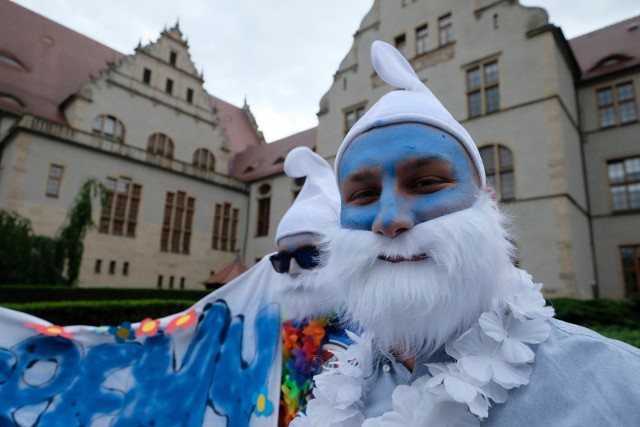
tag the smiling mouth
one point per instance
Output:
(398, 259)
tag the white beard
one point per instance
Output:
(303, 296)
(413, 307)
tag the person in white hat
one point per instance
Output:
(455, 334)
(310, 331)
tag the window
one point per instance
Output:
(204, 160)
(630, 256)
(483, 89)
(264, 206)
(161, 145)
(11, 61)
(168, 87)
(112, 267)
(400, 42)
(125, 269)
(225, 228)
(97, 268)
(498, 164)
(297, 186)
(173, 56)
(108, 127)
(182, 282)
(624, 184)
(351, 116)
(177, 224)
(54, 180)
(159, 283)
(617, 105)
(422, 39)
(445, 30)
(10, 100)
(146, 76)
(190, 96)
(170, 282)
(119, 215)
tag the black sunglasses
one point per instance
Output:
(306, 257)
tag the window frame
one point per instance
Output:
(422, 40)
(177, 222)
(498, 170)
(401, 45)
(483, 86)
(616, 103)
(448, 28)
(622, 184)
(263, 216)
(57, 179)
(168, 86)
(635, 268)
(356, 109)
(101, 131)
(204, 160)
(146, 75)
(124, 223)
(161, 145)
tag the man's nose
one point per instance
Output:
(294, 268)
(393, 219)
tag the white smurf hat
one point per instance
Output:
(414, 104)
(318, 203)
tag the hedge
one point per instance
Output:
(599, 312)
(34, 293)
(615, 319)
(97, 313)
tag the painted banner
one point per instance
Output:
(216, 364)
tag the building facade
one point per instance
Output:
(192, 180)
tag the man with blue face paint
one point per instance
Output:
(455, 334)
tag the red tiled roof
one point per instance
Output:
(619, 43)
(268, 159)
(53, 71)
(236, 125)
(225, 275)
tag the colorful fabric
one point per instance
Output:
(307, 346)
(302, 358)
(216, 364)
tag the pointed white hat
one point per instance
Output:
(414, 104)
(318, 203)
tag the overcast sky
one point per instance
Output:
(280, 54)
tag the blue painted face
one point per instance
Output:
(398, 176)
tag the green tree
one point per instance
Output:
(26, 258)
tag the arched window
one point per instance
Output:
(108, 127)
(498, 165)
(160, 144)
(203, 159)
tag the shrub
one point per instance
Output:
(35, 293)
(97, 313)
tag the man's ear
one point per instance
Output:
(492, 192)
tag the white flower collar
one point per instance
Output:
(490, 358)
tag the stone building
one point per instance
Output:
(193, 181)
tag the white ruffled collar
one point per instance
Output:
(489, 359)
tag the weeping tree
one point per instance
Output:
(26, 258)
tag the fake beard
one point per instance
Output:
(414, 307)
(303, 296)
